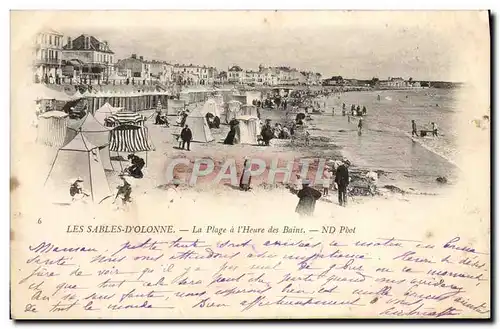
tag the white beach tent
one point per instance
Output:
(253, 95)
(105, 111)
(210, 106)
(43, 92)
(87, 94)
(78, 158)
(249, 110)
(77, 95)
(233, 110)
(249, 129)
(96, 133)
(199, 126)
(51, 128)
(174, 106)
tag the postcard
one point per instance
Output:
(250, 165)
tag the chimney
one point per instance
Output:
(88, 42)
(134, 56)
(141, 58)
(70, 43)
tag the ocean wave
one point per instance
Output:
(436, 146)
(440, 150)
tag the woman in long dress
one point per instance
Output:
(307, 200)
(246, 178)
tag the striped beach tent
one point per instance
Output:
(130, 139)
(51, 128)
(126, 118)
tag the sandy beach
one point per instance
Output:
(152, 189)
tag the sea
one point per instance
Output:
(386, 143)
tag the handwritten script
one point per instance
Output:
(210, 277)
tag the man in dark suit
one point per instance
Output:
(342, 180)
(186, 136)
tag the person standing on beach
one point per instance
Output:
(360, 126)
(124, 190)
(307, 200)
(434, 129)
(327, 176)
(307, 136)
(186, 136)
(413, 128)
(246, 178)
(342, 180)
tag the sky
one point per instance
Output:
(421, 45)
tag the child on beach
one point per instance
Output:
(327, 176)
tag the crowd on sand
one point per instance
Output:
(336, 175)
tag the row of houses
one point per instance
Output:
(86, 59)
(58, 59)
(272, 76)
(166, 73)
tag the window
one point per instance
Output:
(50, 39)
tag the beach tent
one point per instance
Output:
(250, 110)
(219, 99)
(210, 106)
(96, 133)
(126, 118)
(43, 92)
(174, 105)
(248, 129)
(77, 95)
(240, 98)
(199, 126)
(130, 139)
(233, 110)
(51, 128)
(253, 95)
(105, 111)
(78, 158)
(184, 96)
(87, 94)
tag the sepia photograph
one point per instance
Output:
(250, 164)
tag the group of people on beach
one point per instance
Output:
(423, 133)
(308, 195)
(78, 193)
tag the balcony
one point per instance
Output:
(48, 61)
